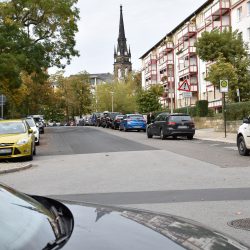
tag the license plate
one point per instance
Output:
(182, 127)
(137, 126)
(5, 150)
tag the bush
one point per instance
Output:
(237, 111)
(202, 108)
(187, 110)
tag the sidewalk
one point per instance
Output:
(10, 167)
(211, 135)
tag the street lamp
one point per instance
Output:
(171, 87)
(112, 101)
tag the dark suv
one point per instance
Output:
(174, 125)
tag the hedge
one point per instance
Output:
(237, 111)
(234, 111)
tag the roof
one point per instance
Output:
(106, 77)
(178, 27)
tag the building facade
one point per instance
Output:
(173, 59)
(122, 54)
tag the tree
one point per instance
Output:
(124, 97)
(148, 100)
(228, 49)
(36, 35)
(223, 70)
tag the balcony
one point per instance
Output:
(188, 70)
(220, 7)
(187, 30)
(187, 50)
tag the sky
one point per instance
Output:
(146, 22)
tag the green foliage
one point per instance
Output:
(215, 43)
(123, 97)
(148, 100)
(35, 35)
(202, 108)
(187, 110)
(223, 70)
(237, 111)
(229, 52)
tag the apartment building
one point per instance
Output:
(240, 12)
(173, 59)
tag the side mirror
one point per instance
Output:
(246, 120)
(30, 131)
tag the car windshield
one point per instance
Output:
(37, 119)
(135, 117)
(31, 122)
(179, 118)
(12, 128)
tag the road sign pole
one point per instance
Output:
(225, 114)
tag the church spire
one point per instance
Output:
(122, 57)
(121, 26)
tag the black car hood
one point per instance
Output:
(100, 227)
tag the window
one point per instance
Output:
(248, 8)
(239, 14)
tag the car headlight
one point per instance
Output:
(23, 141)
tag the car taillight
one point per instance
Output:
(192, 124)
(171, 123)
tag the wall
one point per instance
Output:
(217, 124)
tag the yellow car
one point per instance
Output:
(16, 139)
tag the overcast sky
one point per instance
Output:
(145, 21)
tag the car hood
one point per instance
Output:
(100, 227)
(11, 138)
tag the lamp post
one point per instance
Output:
(171, 88)
(112, 101)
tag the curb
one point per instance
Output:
(15, 169)
(215, 139)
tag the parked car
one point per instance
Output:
(133, 122)
(110, 118)
(38, 222)
(16, 139)
(39, 122)
(116, 121)
(174, 125)
(103, 120)
(96, 118)
(243, 137)
(35, 129)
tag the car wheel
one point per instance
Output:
(34, 151)
(30, 157)
(162, 136)
(149, 135)
(190, 137)
(242, 146)
(38, 143)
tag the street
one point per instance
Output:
(205, 181)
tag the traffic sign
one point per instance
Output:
(185, 86)
(187, 94)
(223, 86)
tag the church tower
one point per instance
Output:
(122, 55)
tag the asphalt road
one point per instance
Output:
(202, 180)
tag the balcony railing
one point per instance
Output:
(189, 28)
(215, 9)
(188, 69)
